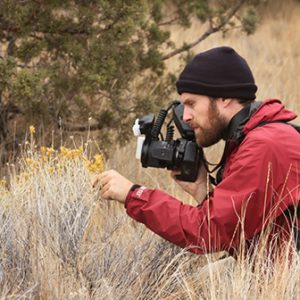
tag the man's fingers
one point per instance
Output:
(113, 186)
(105, 188)
(95, 182)
(106, 196)
(105, 183)
(106, 192)
(101, 180)
(174, 173)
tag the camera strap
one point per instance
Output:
(233, 136)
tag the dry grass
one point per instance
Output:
(59, 241)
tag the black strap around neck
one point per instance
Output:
(233, 136)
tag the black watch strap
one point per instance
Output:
(135, 186)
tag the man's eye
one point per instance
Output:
(189, 104)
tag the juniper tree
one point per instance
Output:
(63, 63)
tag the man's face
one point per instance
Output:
(204, 116)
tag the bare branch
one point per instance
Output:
(206, 34)
(79, 127)
(169, 22)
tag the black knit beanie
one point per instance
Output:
(218, 72)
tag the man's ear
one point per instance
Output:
(225, 102)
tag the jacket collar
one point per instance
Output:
(235, 127)
(270, 110)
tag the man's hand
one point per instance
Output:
(198, 189)
(113, 186)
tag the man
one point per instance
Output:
(259, 176)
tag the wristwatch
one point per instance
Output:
(134, 187)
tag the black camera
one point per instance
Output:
(154, 150)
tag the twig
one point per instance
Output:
(206, 34)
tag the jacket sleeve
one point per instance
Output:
(241, 203)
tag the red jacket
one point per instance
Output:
(261, 179)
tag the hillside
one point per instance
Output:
(59, 240)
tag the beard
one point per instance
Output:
(212, 132)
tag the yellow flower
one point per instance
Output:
(29, 161)
(97, 166)
(63, 150)
(43, 150)
(23, 176)
(31, 129)
(51, 170)
(49, 151)
(92, 168)
(70, 153)
(32, 163)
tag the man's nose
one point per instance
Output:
(186, 114)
